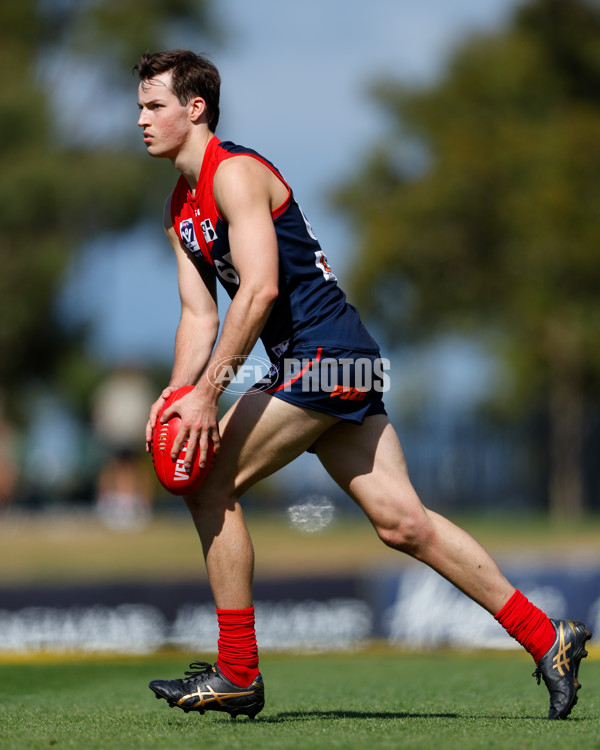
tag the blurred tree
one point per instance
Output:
(481, 213)
(60, 188)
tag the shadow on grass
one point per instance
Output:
(287, 716)
(291, 716)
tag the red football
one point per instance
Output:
(172, 474)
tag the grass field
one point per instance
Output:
(368, 700)
(375, 699)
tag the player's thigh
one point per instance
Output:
(368, 463)
(259, 435)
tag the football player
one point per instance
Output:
(232, 218)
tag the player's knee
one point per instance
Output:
(210, 503)
(409, 534)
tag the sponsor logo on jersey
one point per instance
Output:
(208, 231)
(322, 264)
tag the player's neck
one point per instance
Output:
(188, 161)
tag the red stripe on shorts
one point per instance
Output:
(306, 367)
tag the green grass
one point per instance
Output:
(367, 700)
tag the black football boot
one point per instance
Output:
(559, 667)
(205, 688)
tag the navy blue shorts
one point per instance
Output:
(344, 383)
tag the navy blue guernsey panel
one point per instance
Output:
(311, 309)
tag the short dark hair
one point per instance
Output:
(192, 75)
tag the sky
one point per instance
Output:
(295, 79)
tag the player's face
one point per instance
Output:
(163, 119)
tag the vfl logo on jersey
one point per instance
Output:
(187, 234)
(208, 231)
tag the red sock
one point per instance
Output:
(238, 652)
(527, 624)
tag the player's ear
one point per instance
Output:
(197, 108)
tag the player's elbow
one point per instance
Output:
(263, 297)
(204, 325)
(211, 326)
(256, 297)
(270, 294)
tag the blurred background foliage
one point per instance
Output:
(479, 214)
(56, 190)
(64, 181)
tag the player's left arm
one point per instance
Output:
(244, 190)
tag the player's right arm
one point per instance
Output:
(198, 324)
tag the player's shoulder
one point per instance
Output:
(243, 175)
(231, 157)
(238, 165)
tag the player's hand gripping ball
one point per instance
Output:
(172, 474)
